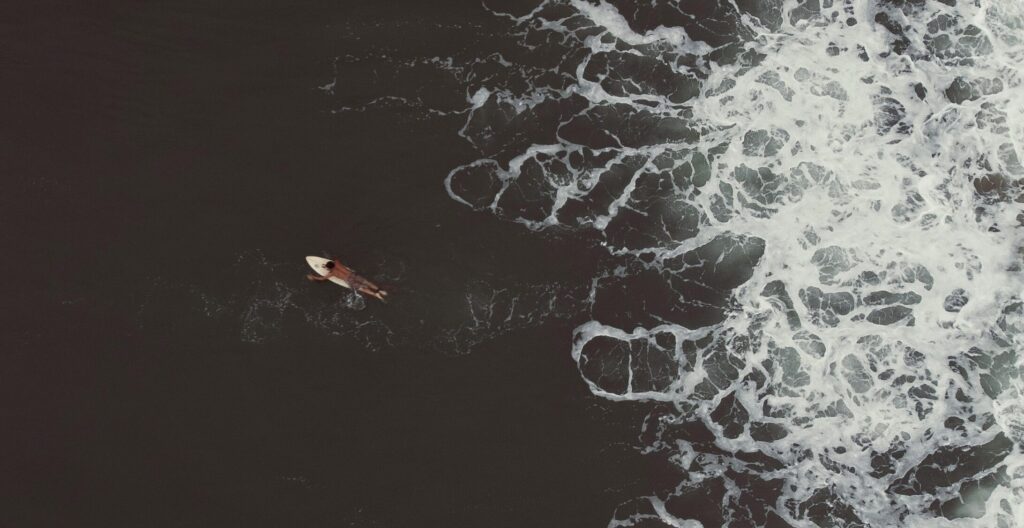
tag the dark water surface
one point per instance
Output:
(653, 263)
(173, 166)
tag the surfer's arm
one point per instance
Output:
(317, 278)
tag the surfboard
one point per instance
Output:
(319, 265)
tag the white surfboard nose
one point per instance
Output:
(316, 262)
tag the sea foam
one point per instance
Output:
(815, 213)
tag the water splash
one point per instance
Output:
(816, 209)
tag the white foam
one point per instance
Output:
(869, 175)
(480, 97)
(608, 17)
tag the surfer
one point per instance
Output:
(358, 283)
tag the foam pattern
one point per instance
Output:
(814, 214)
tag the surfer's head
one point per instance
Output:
(329, 265)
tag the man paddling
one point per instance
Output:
(358, 283)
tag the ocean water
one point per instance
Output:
(165, 361)
(652, 263)
(815, 215)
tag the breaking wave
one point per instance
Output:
(815, 214)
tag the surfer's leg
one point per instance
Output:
(372, 292)
(371, 286)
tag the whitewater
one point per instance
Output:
(813, 214)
